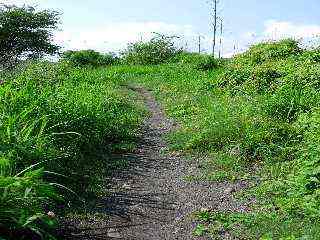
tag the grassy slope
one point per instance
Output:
(60, 124)
(255, 118)
(249, 116)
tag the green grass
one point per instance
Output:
(58, 126)
(255, 118)
(257, 225)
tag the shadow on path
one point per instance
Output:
(151, 200)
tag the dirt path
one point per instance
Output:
(153, 201)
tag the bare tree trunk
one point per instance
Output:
(221, 33)
(199, 45)
(215, 18)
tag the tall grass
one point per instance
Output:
(55, 123)
(256, 116)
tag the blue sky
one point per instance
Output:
(108, 25)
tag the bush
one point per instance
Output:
(296, 93)
(209, 63)
(189, 58)
(90, 58)
(311, 56)
(22, 197)
(269, 51)
(265, 67)
(159, 49)
(202, 62)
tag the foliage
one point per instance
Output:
(56, 124)
(262, 225)
(26, 33)
(209, 63)
(202, 62)
(159, 49)
(90, 58)
(260, 110)
(269, 51)
(21, 199)
(185, 57)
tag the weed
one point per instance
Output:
(57, 125)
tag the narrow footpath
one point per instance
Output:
(154, 201)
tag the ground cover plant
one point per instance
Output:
(58, 124)
(256, 116)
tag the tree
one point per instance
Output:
(26, 33)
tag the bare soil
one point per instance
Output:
(153, 200)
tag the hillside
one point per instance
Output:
(251, 120)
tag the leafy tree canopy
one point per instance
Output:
(26, 33)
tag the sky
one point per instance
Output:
(109, 25)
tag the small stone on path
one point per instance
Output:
(230, 190)
(112, 233)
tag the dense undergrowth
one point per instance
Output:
(84, 58)
(58, 125)
(257, 117)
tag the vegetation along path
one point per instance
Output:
(154, 200)
(78, 158)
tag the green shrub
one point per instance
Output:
(261, 67)
(309, 174)
(22, 199)
(188, 57)
(159, 49)
(235, 75)
(202, 62)
(297, 93)
(280, 63)
(90, 58)
(209, 63)
(311, 56)
(269, 51)
(263, 78)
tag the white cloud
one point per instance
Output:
(21, 2)
(283, 29)
(115, 36)
(308, 34)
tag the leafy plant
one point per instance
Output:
(159, 49)
(209, 63)
(21, 199)
(89, 58)
(270, 51)
(54, 115)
